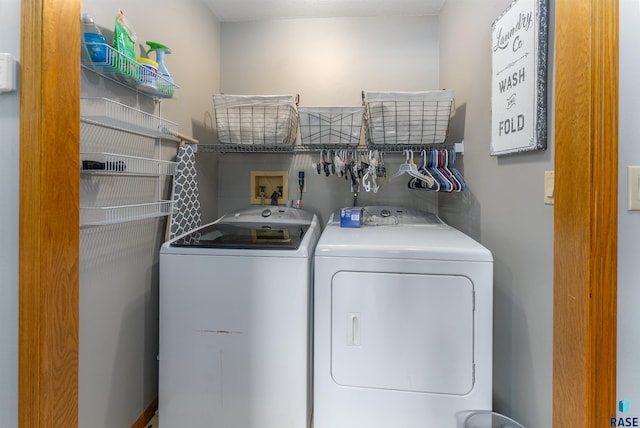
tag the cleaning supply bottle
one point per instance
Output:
(93, 39)
(165, 81)
(124, 42)
(148, 74)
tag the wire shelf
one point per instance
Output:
(389, 148)
(127, 71)
(246, 148)
(100, 216)
(407, 118)
(101, 163)
(258, 120)
(103, 111)
(323, 127)
(304, 149)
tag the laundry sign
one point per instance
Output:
(519, 78)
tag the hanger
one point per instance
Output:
(438, 166)
(340, 163)
(409, 167)
(369, 181)
(454, 171)
(381, 170)
(447, 171)
(319, 166)
(417, 184)
(329, 168)
(445, 184)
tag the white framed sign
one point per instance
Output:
(519, 39)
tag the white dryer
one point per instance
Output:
(235, 320)
(403, 323)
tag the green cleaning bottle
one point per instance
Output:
(165, 82)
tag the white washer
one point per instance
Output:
(403, 323)
(235, 342)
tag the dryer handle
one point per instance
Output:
(354, 329)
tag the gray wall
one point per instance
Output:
(118, 374)
(504, 210)
(328, 62)
(628, 221)
(518, 232)
(9, 176)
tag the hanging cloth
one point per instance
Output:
(186, 199)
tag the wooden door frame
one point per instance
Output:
(586, 213)
(585, 223)
(49, 213)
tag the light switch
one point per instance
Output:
(549, 183)
(633, 188)
(7, 73)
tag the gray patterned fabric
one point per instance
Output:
(186, 199)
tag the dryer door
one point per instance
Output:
(407, 332)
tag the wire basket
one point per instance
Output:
(112, 113)
(330, 126)
(112, 163)
(99, 216)
(258, 120)
(126, 70)
(407, 118)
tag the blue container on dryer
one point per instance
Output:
(351, 217)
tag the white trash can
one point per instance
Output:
(489, 420)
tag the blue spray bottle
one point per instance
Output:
(165, 84)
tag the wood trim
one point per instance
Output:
(585, 261)
(49, 214)
(147, 415)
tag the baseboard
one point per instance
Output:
(147, 415)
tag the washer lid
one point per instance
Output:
(245, 235)
(269, 214)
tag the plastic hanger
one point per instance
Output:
(447, 171)
(319, 166)
(445, 184)
(439, 166)
(454, 171)
(409, 167)
(369, 181)
(340, 163)
(329, 168)
(417, 184)
(352, 174)
(414, 172)
(381, 170)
